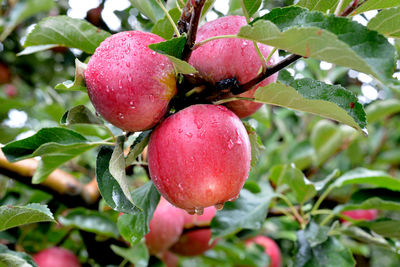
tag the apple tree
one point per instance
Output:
(200, 133)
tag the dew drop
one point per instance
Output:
(189, 135)
(151, 98)
(107, 88)
(199, 123)
(245, 43)
(180, 131)
(192, 159)
(199, 211)
(230, 144)
(128, 64)
(234, 198)
(120, 84)
(191, 211)
(219, 206)
(129, 78)
(132, 105)
(120, 115)
(153, 53)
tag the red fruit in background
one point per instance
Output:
(170, 259)
(165, 227)
(10, 90)
(94, 15)
(56, 257)
(5, 75)
(199, 157)
(227, 58)
(194, 242)
(367, 215)
(129, 84)
(271, 248)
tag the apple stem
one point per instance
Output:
(188, 23)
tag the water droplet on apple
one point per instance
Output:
(129, 78)
(153, 53)
(132, 105)
(189, 135)
(180, 131)
(199, 123)
(230, 144)
(151, 98)
(120, 84)
(199, 211)
(191, 211)
(219, 206)
(120, 115)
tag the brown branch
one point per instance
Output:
(188, 23)
(351, 7)
(62, 185)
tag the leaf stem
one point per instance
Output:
(293, 209)
(327, 219)
(225, 100)
(198, 44)
(171, 21)
(321, 198)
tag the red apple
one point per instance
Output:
(10, 90)
(271, 248)
(170, 259)
(194, 242)
(129, 84)
(165, 227)
(367, 215)
(199, 157)
(56, 257)
(228, 58)
(5, 75)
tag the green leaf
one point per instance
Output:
(385, 227)
(322, 6)
(173, 50)
(149, 8)
(137, 254)
(137, 147)
(34, 49)
(80, 114)
(326, 138)
(374, 5)
(252, 6)
(90, 221)
(79, 82)
(11, 258)
(66, 31)
(247, 212)
(381, 109)
(109, 188)
(308, 95)
(117, 167)
(390, 156)
(316, 249)
(325, 37)
(22, 11)
(255, 142)
(163, 27)
(12, 216)
(376, 198)
(133, 227)
(386, 22)
(289, 175)
(365, 176)
(54, 145)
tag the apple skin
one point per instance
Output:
(170, 259)
(193, 243)
(367, 215)
(129, 84)
(10, 90)
(5, 75)
(56, 256)
(166, 226)
(199, 157)
(271, 249)
(227, 58)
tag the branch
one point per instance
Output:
(265, 74)
(188, 23)
(350, 8)
(62, 185)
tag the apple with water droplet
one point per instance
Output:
(129, 84)
(199, 157)
(231, 58)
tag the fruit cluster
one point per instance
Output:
(200, 155)
(174, 231)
